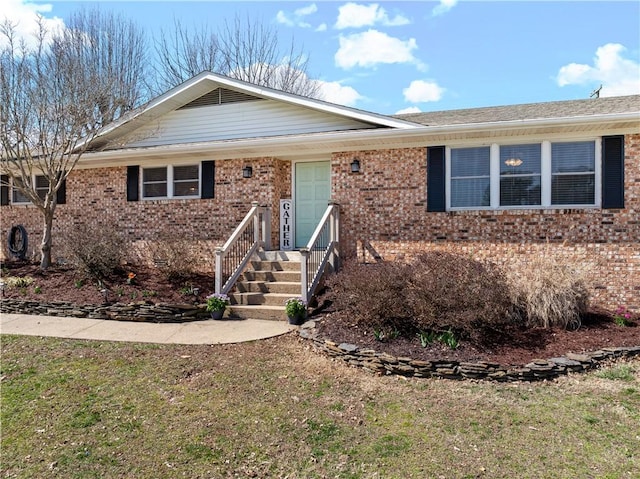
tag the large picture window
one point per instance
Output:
(171, 182)
(543, 174)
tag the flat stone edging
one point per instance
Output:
(139, 311)
(368, 359)
(386, 364)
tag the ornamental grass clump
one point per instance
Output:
(548, 291)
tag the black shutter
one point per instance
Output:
(208, 176)
(61, 194)
(436, 200)
(613, 172)
(4, 190)
(133, 177)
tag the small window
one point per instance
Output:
(42, 186)
(171, 182)
(573, 167)
(154, 182)
(470, 177)
(520, 169)
(17, 196)
(186, 180)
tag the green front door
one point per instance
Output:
(312, 192)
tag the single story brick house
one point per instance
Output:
(500, 182)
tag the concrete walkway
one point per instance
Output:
(196, 332)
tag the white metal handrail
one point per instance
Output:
(321, 250)
(252, 233)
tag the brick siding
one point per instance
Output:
(382, 208)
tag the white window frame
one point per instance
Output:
(170, 182)
(15, 190)
(545, 173)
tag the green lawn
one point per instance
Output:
(275, 408)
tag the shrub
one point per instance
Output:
(438, 292)
(549, 292)
(372, 295)
(449, 292)
(175, 258)
(97, 251)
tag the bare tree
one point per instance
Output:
(54, 99)
(247, 50)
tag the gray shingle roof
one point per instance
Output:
(528, 111)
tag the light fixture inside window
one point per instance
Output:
(355, 166)
(513, 162)
(247, 172)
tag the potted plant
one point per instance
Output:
(296, 309)
(216, 304)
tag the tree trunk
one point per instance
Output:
(45, 246)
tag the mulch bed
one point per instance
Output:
(518, 347)
(63, 283)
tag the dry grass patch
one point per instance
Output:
(277, 409)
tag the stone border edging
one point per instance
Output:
(537, 370)
(368, 359)
(139, 311)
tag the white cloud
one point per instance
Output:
(296, 19)
(420, 91)
(304, 11)
(411, 109)
(618, 75)
(321, 28)
(24, 15)
(352, 15)
(282, 19)
(367, 49)
(335, 92)
(443, 7)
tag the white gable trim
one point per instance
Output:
(207, 81)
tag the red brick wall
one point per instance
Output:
(98, 197)
(385, 207)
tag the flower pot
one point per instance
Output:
(217, 314)
(296, 320)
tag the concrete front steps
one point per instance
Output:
(270, 279)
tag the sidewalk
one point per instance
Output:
(196, 332)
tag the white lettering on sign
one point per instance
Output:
(286, 225)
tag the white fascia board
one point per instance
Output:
(299, 145)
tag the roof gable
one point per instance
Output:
(162, 120)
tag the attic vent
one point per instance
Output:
(220, 96)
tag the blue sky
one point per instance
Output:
(390, 57)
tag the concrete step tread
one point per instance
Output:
(260, 293)
(241, 307)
